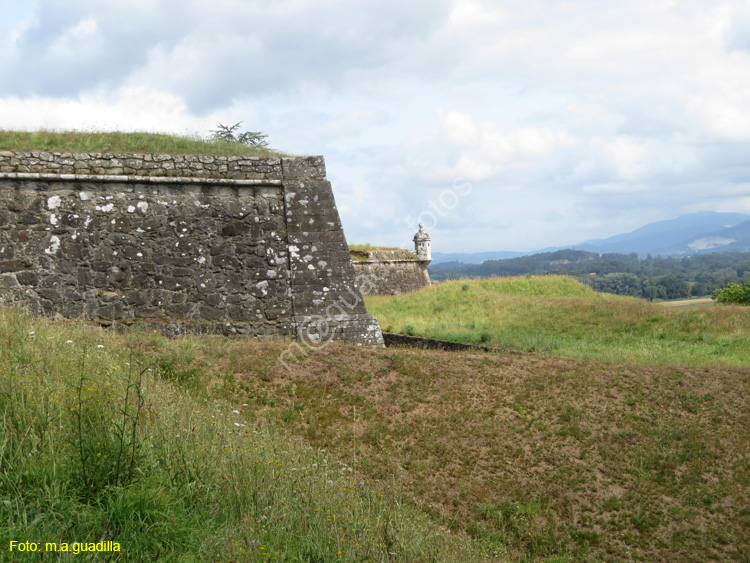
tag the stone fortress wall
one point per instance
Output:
(392, 272)
(234, 244)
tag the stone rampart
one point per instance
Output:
(248, 245)
(392, 272)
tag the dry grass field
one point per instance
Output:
(358, 454)
(537, 458)
(705, 302)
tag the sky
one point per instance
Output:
(513, 125)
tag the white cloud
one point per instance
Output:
(472, 168)
(459, 127)
(490, 149)
(726, 115)
(474, 14)
(497, 145)
(131, 109)
(536, 142)
(627, 155)
(79, 41)
(614, 188)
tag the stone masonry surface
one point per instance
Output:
(392, 272)
(151, 165)
(248, 245)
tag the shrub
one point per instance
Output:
(734, 293)
(230, 134)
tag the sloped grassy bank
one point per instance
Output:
(558, 316)
(117, 141)
(533, 457)
(118, 438)
(540, 459)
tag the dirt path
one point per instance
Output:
(690, 303)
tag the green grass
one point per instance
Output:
(128, 439)
(119, 142)
(379, 454)
(361, 252)
(537, 459)
(558, 316)
(368, 247)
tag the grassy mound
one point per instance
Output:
(540, 459)
(125, 439)
(114, 141)
(561, 317)
(206, 449)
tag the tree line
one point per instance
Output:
(621, 274)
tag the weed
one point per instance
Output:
(95, 446)
(114, 141)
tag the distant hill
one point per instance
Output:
(686, 235)
(539, 264)
(472, 258)
(673, 236)
(732, 239)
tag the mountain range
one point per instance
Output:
(686, 235)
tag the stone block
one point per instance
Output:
(9, 281)
(13, 265)
(209, 313)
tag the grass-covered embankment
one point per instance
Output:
(107, 437)
(120, 142)
(558, 316)
(540, 459)
(535, 458)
